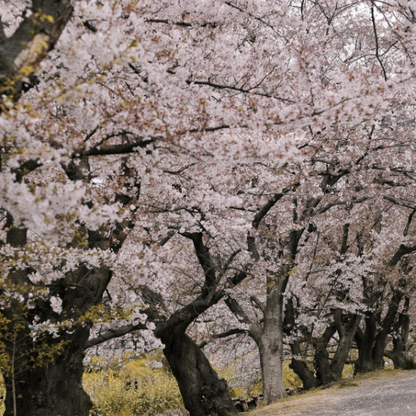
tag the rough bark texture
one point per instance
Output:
(21, 54)
(324, 373)
(305, 374)
(203, 392)
(347, 326)
(56, 389)
(372, 344)
(400, 338)
(271, 339)
(365, 342)
(53, 386)
(271, 351)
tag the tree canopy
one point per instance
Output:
(178, 168)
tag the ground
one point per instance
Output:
(387, 393)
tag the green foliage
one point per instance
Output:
(348, 371)
(135, 390)
(290, 378)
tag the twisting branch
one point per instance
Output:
(116, 149)
(376, 39)
(270, 204)
(114, 333)
(402, 251)
(235, 331)
(205, 260)
(257, 302)
(409, 221)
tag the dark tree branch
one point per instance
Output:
(183, 24)
(205, 260)
(114, 333)
(237, 310)
(116, 149)
(257, 302)
(226, 334)
(402, 251)
(188, 313)
(376, 39)
(396, 202)
(25, 168)
(270, 204)
(344, 244)
(30, 43)
(409, 221)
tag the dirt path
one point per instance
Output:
(384, 394)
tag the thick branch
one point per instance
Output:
(344, 244)
(257, 302)
(21, 54)
(237, 310)
(402, 251)
(188, 313)
(114, 333)
(409, 221)
(235, 331)
(204, 258)
(270, 204)
(116, 149)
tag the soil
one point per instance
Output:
(385, 393)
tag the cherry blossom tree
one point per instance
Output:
(128, 126)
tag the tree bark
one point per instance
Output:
(21, 53)
(346, 327)
(324, 373)
(203, 392)
(52, 390)
(381, 338)
(365, 342)
(271, 357)
(400, 338)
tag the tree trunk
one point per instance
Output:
(365, 344)
(202, 391)
(271, 357)
(53, 390)
(400, 337)
(45, 374)
(381, 339)
(346, 328)
(304, 373)
(271, 339)
(324, 373)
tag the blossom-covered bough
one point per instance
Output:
(166, 156)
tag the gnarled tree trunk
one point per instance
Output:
(50, 390)
(324, 373)
(203, 392)
(365, 342)
(347, 326)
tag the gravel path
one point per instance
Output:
(382, 395)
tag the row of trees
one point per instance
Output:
(225, 166)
